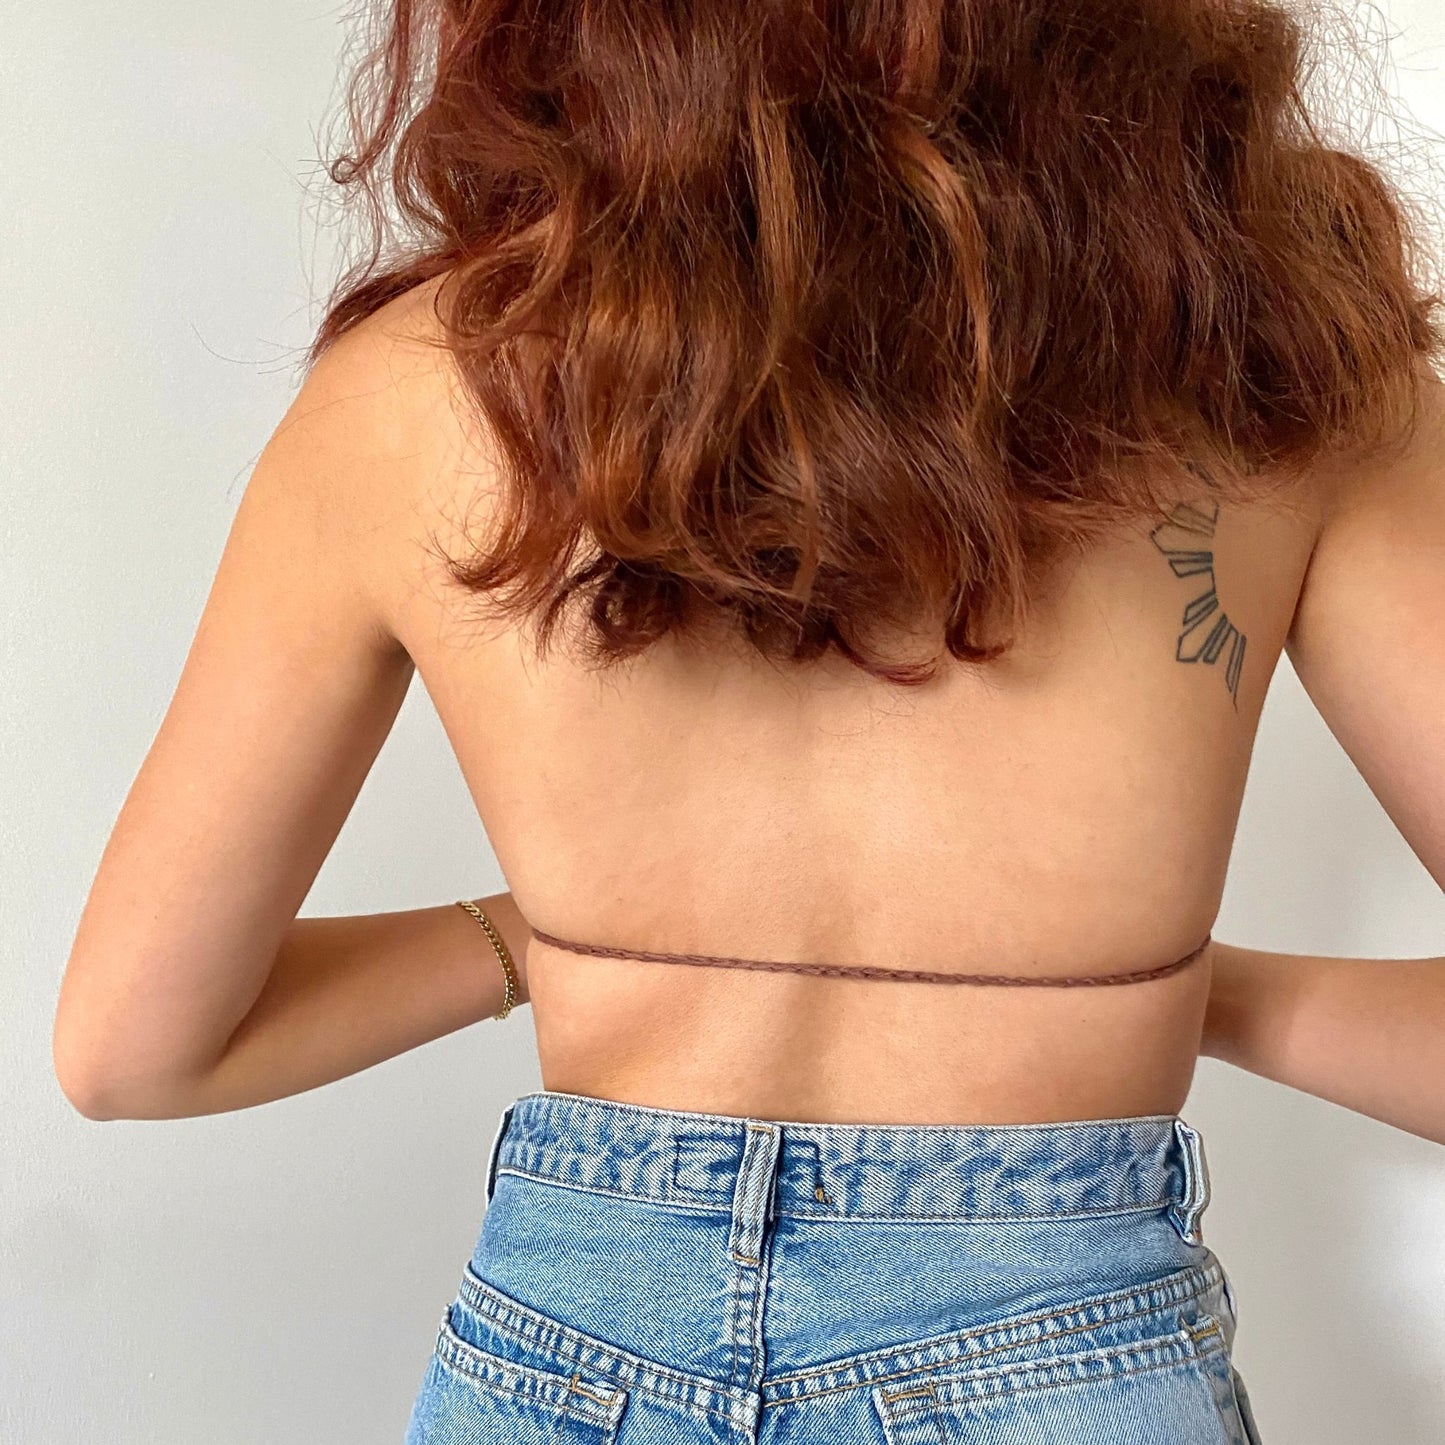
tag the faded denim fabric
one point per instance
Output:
(659, 1277)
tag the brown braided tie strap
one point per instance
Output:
(898, 975)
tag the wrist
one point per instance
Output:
(1228, 1013)
(516, 933)
(1253, 997)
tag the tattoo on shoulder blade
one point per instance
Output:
(1207, 634)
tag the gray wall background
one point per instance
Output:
(277, 1274)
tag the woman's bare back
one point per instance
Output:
(1068, 810)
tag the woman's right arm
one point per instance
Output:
(344, 993)
(1368, 643)
(1365, 1033)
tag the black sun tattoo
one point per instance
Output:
(1207, 634)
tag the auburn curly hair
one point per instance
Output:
(825, 317)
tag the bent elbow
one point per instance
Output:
(83, 1090)
(102, 1091)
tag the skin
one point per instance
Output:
(1069, 812)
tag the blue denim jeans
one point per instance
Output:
(659, 1277)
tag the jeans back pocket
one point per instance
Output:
(472, 1393)
(1156, 1390)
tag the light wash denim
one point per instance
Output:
(658, 1277)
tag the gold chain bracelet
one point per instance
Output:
(509, 969)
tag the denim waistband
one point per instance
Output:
(762, 1169)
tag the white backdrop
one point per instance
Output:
(276, 1275)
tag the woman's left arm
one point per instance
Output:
(291, 685)
(1367, 1034)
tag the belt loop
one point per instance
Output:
(1186, 1212)
(495, 1152)
(753, 1202)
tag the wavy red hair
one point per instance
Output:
(825, 319)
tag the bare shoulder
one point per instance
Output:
(1368, 636)
(388, 403)
(388, 381)
(1382, 479)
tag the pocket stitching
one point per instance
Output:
(1188, 1342)
(548, 1387)
(522, 1324)
(944, 1368)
